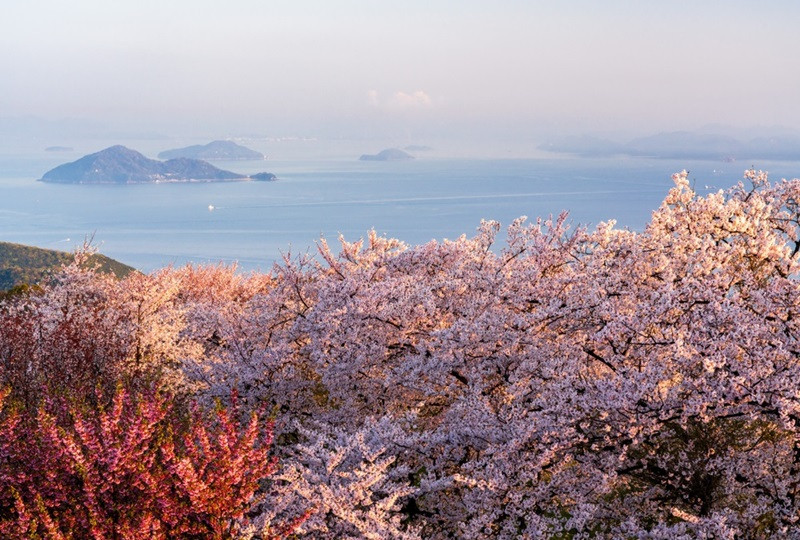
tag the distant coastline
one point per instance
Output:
(682, 145)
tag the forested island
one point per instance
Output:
(569, 383)
(121, 165)
(215, 150)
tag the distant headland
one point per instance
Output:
(705, 144)
(215, 150)
(390, 154)
(121, 165)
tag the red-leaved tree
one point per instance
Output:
(132, 469)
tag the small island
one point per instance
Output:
(121, 165)
(215, 150)
(390, 154)
(263, 177)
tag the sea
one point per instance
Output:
(328, 194)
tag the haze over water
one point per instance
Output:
(253, 223)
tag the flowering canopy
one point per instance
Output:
(597, 383)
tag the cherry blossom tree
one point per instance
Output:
(575, 383)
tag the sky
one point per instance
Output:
(416, 68)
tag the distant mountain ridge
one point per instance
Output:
(683, 145)
(121, 165)
(222, 150)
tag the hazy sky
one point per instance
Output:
(361, 68)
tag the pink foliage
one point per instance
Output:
(133, 469)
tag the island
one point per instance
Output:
(263, 177)
(215, 150)
(390, 154)
(121, 165)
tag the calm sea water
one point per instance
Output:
(150, 226)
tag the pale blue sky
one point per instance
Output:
(437, 67)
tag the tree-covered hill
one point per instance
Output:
(20, 264)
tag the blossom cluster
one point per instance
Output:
(599, 383)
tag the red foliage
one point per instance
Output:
(134, 469)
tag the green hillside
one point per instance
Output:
(21, 264)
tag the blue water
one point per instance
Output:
(150, 226)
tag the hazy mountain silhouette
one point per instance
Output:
(390, 154)
(225, 150)
(685, 145)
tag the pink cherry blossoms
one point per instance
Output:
(580, 383)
